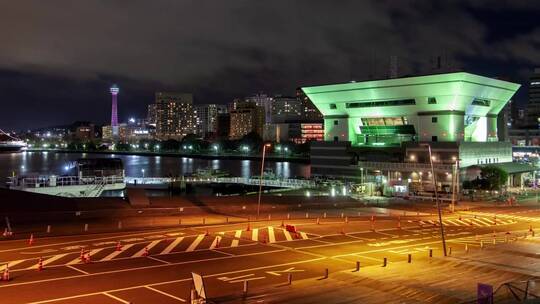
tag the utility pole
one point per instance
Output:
(434, 179)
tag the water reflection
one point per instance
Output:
(50, 162)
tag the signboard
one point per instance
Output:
(484, 294)
(198, 283)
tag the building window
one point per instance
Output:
(333, 106)
(336, 138)
(481, 102)
(433, 119)
(432, 100)
(385, 103)
(336, 122)
(434, 138)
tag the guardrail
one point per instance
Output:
(60, 181)
(282, 183)
(405, 166)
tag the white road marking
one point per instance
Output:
(271, 235)
(303, 235)
(91, 253)
(237, 235)
(165, 294)
(141, 252)
(10, 264)
(77, 269)
(288, 270)
(250, 279)
(226, 279)
(116, 253)
(172, 245)
(49, 260)
(255, 234)
(195, 243)
(215, 242)
(287, 235)
(116, 298)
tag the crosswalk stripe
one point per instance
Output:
(141, 252)
(303, 235)
(255, 234)
(453, 222)
(237, 235)
(91, 253)
(482, 221)
(116, 253)
(195, 243)
(49, 260)
(11, 264)
(287, 235)
(462, 222)
(172, 245)
(271, 235)
(214, 243)
(488, 220)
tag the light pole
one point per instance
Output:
(261, 179)
(434, 180)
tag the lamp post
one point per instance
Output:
(434, 180)
(261, 179)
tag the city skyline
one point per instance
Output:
(498, 42)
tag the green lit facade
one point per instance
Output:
(452, 107)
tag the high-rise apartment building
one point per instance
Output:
(286, 109)
(264, 101)
(309, 111)
(114, 109)
(151, 116)
(533, 108)
(174, 115)
(246, 117)
(207, 116)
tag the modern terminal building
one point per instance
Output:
(380, 129)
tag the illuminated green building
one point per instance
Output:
(444, 107)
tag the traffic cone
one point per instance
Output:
(5, 276)
(206, 233)
(318, 221)
(5, 232)
(460, 217)
(40, 264)
(87, 258)
(146, 253)
(31, 240)
(282, 223)
(118, 246)
(81, 256)
(264, 240)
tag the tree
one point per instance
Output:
(494, 177)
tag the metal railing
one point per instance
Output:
(404, 166)
(282, 183)
(61, 181)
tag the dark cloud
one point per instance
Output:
(57, 54)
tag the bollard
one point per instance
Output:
(449, 251)
(342, 214)
(179, 221)
(358, 213)
(399, 222)
(494, 241)
(324, 215)
(227, 219)
(506, 238)
(318, 221)
(466, 248)
(245, 287)
(48, 228)
(430, 253)
(409, 258)
(325, 273)
(203, 220)
(288, 216)
(307, 215)
(357, 266)
(384, 262)
(481, 244)
(269, 216)
(85, 227)
(289, 279)
(119, 224)
(346, 220)
(193, 295)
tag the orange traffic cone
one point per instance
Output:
(118, 246)
(81, 256)
(87, 258)
(31, 239)
(40, 264)
(146, 253)
(5, 276)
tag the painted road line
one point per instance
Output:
(49, 260)
(141, 252)
(90, 254)
(116, 253)
(255, 234)
(237, 235)
(195, 243)
(288, 235)
(462, 222)
(172, 245)
(227, 279)
(165, 294)
(454, 222)
(116, 298)
(271, 235)
(77, 269)
(303, 235)
(250, 279)
(215, 242)
(11, 264)
(483, 221)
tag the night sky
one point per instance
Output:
(58, 58)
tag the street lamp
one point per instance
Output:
(434, 180)
(142, 170)
(261, 179)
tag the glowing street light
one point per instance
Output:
(142, 170)
(261, 179)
